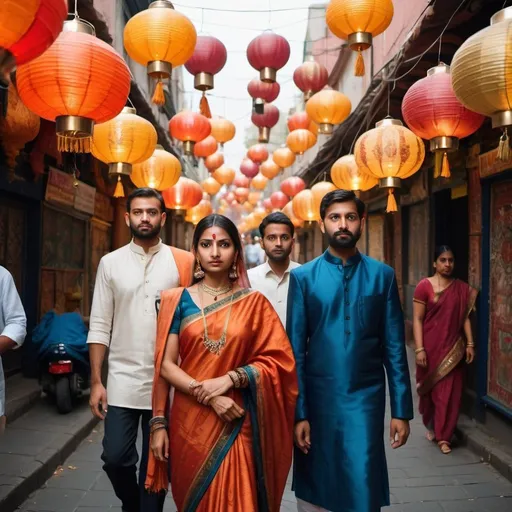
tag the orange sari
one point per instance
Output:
(244, 464)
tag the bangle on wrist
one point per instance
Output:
(419, 350)
(472, 345)
(191, 385)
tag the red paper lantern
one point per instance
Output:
(184, 195)
(249, 168)
(242, 181)
(279, 199)
(205, 147)
(292, 186)
(189, 127)
(299, 121)
(43, 31)
(265, 121)
(433, 112)
(310, 77)
(262, 92)
(208, 59)
(213, 162)
(267, 204)
(257, 153)
(267, 53)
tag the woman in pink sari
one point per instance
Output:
(443, 339)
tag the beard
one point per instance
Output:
(278, 257)
(344, 243)
(153, 232)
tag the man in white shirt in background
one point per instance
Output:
(272, 277)
(13, 328)
(123, 319)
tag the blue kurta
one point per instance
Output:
(346, 325)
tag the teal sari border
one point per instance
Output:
(212, 464)
(250, 395)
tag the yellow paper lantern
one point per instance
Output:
(211, 185)
(299, 141)
(482, 74)
(259, 182)
(125, 140)
(199, 212)
(160, 171)
(346, 175)
(269, 169)
(390, 152)
(224, 175)
(160, 38)
(288, 211)
(320, 189)
(254, 198)
(327, 108)
(222, 130)
(284, 157)
(248, 206)
(305, 207)
(358, 22)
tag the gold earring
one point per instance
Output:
(198, 272)
(233, 274)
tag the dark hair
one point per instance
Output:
(223, 223)
(341, 196)
(440, 249)
(276, 218)
(145, 192)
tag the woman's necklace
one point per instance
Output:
(440, 290)
(214, 346)
(215, 292)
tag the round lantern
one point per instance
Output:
(18, 127)
(310, 77)
(279, 199)
(160, 171)
(205, 147)
(222, 130)
(242, 181)
(481, 75)
(184, 195)
(305, 207)
(260, 213)
(160, 38)
(211, 185)
(267, 53)
(292, 186)
(262, 92)
(320, 189)
(249, 168)
(288, 211)
(269, 169)
(248, 206)
(77, 82)
(28, 28)
(390, 152)
(199, 212)
(346, 175)
(299, 141)
(213, 162)
(254, 198)
(284, 157)
(433, 112)
(265, 121)
(301, 121)
(224, 175)
(241, 194)
(259, 182)
(189, 127)
(257, 153)
(358, 22)
(327, 108)
(267, 204)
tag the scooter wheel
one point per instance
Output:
(63, 395)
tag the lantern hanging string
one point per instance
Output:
(504, 4)
(76, 9)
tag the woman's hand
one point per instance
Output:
(210, 388)
(421, 359)
(160, 444)
(470, 354)
(226, 408)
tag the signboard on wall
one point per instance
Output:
(59, 188)
(84, 198)
(489, 165)
(499, 384)
(376, 236)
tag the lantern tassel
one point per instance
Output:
(72, 145)
(445, 169)
(504, 147)
(204, 107)
(158, 96)
(359, 69)
(392, 206)
(438, 163)
(119, 191)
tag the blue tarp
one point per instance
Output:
(68, 329)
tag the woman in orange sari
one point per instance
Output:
(443, 339)
(227, 441)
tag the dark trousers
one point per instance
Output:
(120, 459)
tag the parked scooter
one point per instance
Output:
(63, 355)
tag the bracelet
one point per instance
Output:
(157, 427)
(472, 345)
(156, 420)
(243, 377)
(235, 378)
(191, 385)
(419, 350)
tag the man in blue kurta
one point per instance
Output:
(346, 326)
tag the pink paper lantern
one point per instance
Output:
(267, 204)
(267, 53)
(292, 186)
(279, 200)
(242, 181)
(310, 77)
(208, 59)
(263, 90)
(249, 168)
(265, 121)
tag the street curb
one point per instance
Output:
(486, 447)
(11, 501)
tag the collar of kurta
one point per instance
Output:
(139, 250)
(354, 260)
(267, 269)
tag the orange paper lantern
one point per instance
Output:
(270, 169)
(328, 108)
(241, 194)
(223, 130)
(160, 171)
(211, 185)
(347, 176)
(213, 162)
(305, 208)
(189, 127)
(224, 175)
(259, 182)
(254, 198)
(184, 195)
(205, 147)
(284, 157)
(288, 211)
(257, 153)
(299, 141)
(199, 212)
(160, 38)
(78, 81)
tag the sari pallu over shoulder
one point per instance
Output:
(437, 315)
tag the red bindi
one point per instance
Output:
(214, 236)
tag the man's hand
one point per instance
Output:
(98, 400)
(160, 444)
(302, 433)
(6, 344)
(398, 432)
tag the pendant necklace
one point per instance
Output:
(215, 292)
(214, 346)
